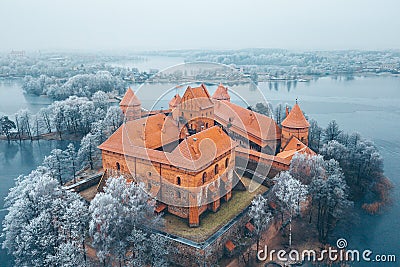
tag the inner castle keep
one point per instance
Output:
(186, 155)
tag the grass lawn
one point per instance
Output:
(210, 222)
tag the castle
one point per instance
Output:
(186, 155)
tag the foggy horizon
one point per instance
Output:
(176, 25)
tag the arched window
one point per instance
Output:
(118, 166)
(178, 194)
(226, 162)
(216, 169)
(149, 174)
(204, 177)
(207, 125)
(178, 180)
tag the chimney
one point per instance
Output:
(144, 131)
(251, 119)
(287, 111)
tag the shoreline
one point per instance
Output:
(48, 137)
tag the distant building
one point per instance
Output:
(15, 53)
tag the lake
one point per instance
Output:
(369, 105)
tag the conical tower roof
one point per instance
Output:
(130, 99)
(221, 93)
(175, 101)
(295, 119)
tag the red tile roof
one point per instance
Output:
(204, 146)
(229, 245)
(129, 99)
(257, 127)
(221, 93)
(294, 146)
(250, 226)
(198, 95)
(295, 119)
(175, 101)
(189, 154)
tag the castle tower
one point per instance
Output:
(295, 124)
(175, 101)
(197, 109)
(130, 106)
(221, 93)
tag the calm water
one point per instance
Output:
(12, 99)
(369, 105)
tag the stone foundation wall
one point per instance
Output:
(213, 249)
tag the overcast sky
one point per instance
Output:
(193, 24)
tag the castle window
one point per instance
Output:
(178, 180)
(207, 125)
(118, 166)
(149, 174)
(204, 177)
(182, 114)
(178, 194)
(191, 115)
(216, 169)
(226, 162)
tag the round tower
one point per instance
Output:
(295, 124)
(131, 106)
(221, 93)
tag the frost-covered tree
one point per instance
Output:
(98, 130)
(22, 121)
(37, 125)
(330, 198)
(68, 255)
(279, 113)
(88, 150)
(6, 125)
(45, 115)
(315, 134)
(262, 109)
(114, 118)
(56, 163)
(115, 214)
(360, 161)
(138, 240)
(335, 150)
(71, 160)
(159, 250)
(40, 220)
(305, 167)
(261, 216)
(57, 117)
(332, 131)
(290, 193)
(100, 100)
